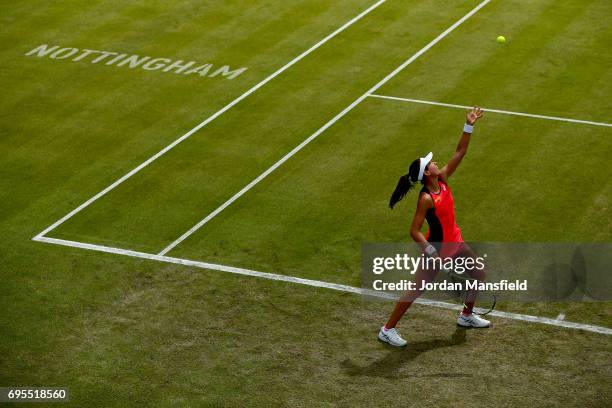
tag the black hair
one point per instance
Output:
(405, 183)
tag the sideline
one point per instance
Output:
(207, 121)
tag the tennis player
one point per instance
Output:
(435, 204)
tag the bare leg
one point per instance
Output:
(479, 275)
(409, 297)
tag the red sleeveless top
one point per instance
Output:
(441, 218)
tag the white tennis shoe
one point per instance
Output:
(391, 336)
(472, 320)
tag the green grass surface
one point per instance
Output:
(124, 332)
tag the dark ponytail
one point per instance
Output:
(405, 183)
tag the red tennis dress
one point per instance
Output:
(441, 220)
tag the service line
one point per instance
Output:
(529, 115)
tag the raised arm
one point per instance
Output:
(470, 120)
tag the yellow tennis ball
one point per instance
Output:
(501, 39)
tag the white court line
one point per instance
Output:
(209, 119)
(321, 130)
(316, 283)
(529, 115)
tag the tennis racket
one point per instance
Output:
(486, 300)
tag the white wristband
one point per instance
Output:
(430, 250)
(468, 128)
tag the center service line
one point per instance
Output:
(208, 120)
(319, 284)
(321, 130)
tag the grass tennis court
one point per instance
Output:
(122, 331)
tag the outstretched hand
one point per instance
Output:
(473, 115)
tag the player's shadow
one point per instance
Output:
(397, 357)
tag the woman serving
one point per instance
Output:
(436, 206)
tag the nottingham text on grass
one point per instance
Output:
(134, 61)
